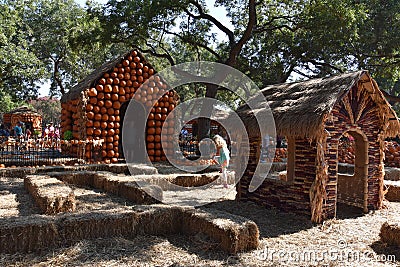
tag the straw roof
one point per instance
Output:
(23, 110)
(90, 80)
(300, 108)
(93, 77)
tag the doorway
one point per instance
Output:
(135, 133)
(352, 188)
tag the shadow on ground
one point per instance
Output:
(344, 211)
(271, 222)
(390, 253)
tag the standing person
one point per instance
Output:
(46, 132)
(18, 130)
(51, 131)
(4, 131)
(28, 132)
(223, 158)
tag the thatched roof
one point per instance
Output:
(93, 77)
(300, 108)
(24, 110)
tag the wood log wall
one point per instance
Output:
(95, 115)
(361, 115)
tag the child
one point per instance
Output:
(223, 158)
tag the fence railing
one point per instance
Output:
(33, 152)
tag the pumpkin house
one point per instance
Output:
(313, 115)
(29, 117)
(93, 111)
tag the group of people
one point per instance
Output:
(16, 132)
(51, 132)
(22, 131)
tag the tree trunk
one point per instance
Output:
(203, 130)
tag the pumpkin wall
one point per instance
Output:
(94, 116)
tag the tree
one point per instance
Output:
(20, 69)
(7, 103)
(49, 108)
(61, 32)
(149, 24)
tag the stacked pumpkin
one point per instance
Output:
(392, 154)
(280, 154)
(346, 151)
(131, 78)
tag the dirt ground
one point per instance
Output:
(286, 239)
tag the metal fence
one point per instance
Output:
(33, 152)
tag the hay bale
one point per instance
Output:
(393, 190)
(126, 187)
(19, 172)
(51, 195)
(105, 223)
(140, 169)
(34, 233)
(193, 180)
(99, 179)
(233, 233)
(390, 233)
(392, 174)
(8, 200)
(81, 178)
(112, 183)
(141, 195)
(24, 234)
(159, 219)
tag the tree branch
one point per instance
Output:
(192, 42)
(267, 26)
(153, 52)
(217, 23)
(324, 64)
(246, 35)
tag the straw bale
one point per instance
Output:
(124, 186)
(393, 190)
(19, 172)
(170, 181)
(140, 195)
(111, 183)
(33, 233)
(82, 178)
(51, 195)
(98, 180)
(392, 174)
(193, 180)
(23, 235)
(390, 233)
(104, 223)
(233, 233)
(8, 200)
(159, 219)
(134, 169)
